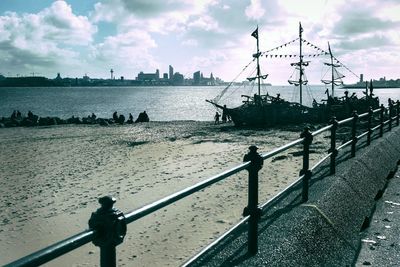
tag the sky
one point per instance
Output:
(78, 37)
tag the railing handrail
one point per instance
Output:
(156, 205)
(53, 251)
(281, 149)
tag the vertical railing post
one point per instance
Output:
(110, 228)
(306, 134)
(333, 149)
(398, 113)
(369, 133)
(390, 104)
(252, 209)
(381, 120)
(354, 134)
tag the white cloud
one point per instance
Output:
(145, 32)
(160, 16)
(128, 52)
(44, 39)
(255, 10)
(205, 22)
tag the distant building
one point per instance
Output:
(178, 79)
(199, 79)
(86, 78)
(165, 76)
(171, 72)
(148, 77)
(196, 78)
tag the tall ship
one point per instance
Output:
(267, 110)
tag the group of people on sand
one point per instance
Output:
(18, 119)
(143, 117)
(17, 116)
(224, 117)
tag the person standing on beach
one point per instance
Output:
(216, 117)
(130, 120)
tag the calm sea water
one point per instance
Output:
(161, 103)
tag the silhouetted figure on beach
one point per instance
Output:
(14, 115)
(115, 116)
(121, 119)
(19, 115)
(93, 116)
(143, 117)
(30, 115)
(224, 115)
(130, 120)
(216, 118)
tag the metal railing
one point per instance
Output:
(108, 225)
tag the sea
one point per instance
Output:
(162, 103)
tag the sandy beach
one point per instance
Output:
(52, 177)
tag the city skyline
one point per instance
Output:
(74, 37)
(158, 75)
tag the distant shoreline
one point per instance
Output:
(363, 87)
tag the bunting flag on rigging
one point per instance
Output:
(255, 33)
(279, 47)
(307, 55)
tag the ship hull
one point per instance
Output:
(284, 113)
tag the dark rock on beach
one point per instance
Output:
(34, 120)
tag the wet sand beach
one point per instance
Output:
(52, 177)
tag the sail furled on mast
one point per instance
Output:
(294, 79)
(250, 79)
(337, 76)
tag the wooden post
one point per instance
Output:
(390, 104)
(333, 149)
(306, 134)
(398, 113)
(354, 134)
(381, 120)
(110, 226)
(370, 115)
(252, 206)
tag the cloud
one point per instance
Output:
(155, 16)
(374, 41)
(358, 23)
(145, 8)
(128, 52)
(255, 10)
(41, 40)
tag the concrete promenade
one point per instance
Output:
(380, 245)
(327, 230)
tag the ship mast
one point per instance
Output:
(332, 70)
(335, 75)
(257, 56)
(258, 65)
(301, 65)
